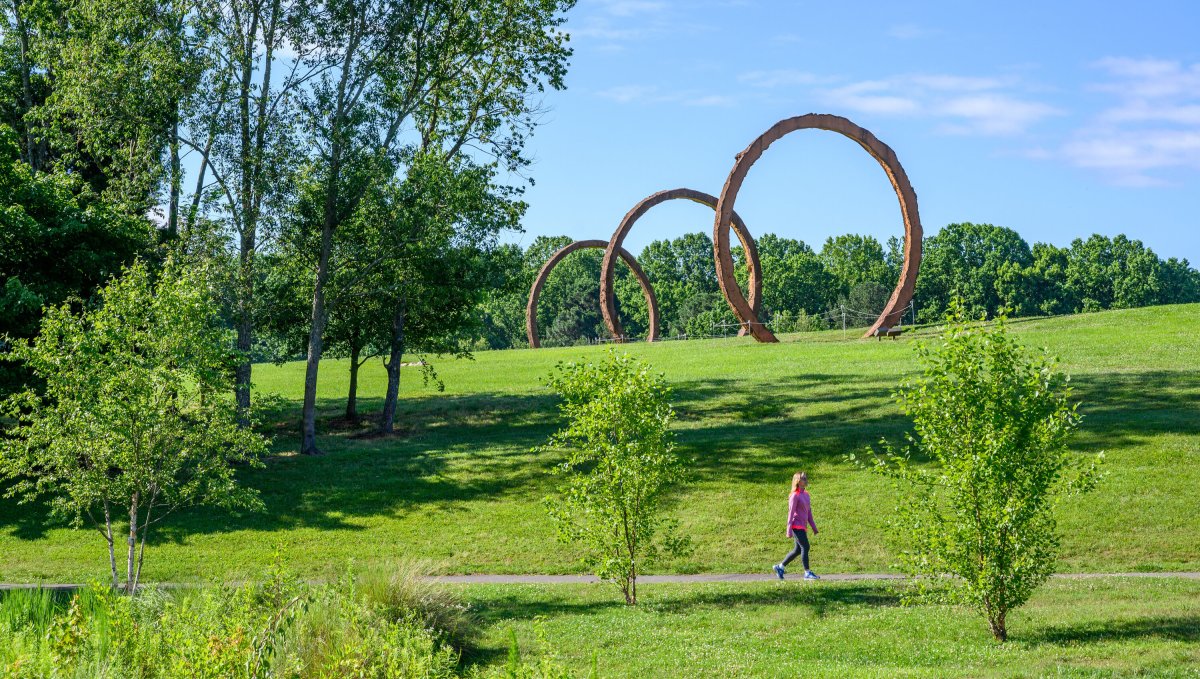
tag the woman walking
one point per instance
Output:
(800, 518)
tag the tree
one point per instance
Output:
(1137, 279)
(864, 303)
(456, 76)
(569, 305)
(24, 83)
(135, 420)
(439, 225)
(684, 279)
(120, 72)
(502, 311)
(1047, 278)
(1180, 282)
(1116, 273)
(853, 259)
(794, 277)
(966, 260)
(994, 419)
(243, 131)
(619, 468)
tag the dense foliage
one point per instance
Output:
(389, 625)
(994, 418)
(57, 243)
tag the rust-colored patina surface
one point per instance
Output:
(747, 316)
(531, 327)
(881, 152)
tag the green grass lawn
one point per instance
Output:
(461, 490)
(1088, 628)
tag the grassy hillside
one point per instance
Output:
(461, 488)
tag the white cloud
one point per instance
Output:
(993, 114)
(613, 23)
(1151, 78)
(958, 83)
(958, 104)
(782, 78)
(910, 31)
(872, 96)
(1151, 128)
(709, 100)
(1144, 111)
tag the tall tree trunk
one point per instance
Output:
(245, 327)
(387, 421)
(250, 155)
(112, 552)
(31, 155)
(320, 316)
(352, 397)
(176, 179)
(132, 551)
(137, 573)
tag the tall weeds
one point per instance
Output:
(392, 623)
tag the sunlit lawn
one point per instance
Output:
(1089, 628)
(462, 489)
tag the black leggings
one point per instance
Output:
(801, 549)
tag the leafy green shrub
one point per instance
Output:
(619, 467)
(994, 419)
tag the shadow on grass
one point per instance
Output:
(822, 600)
(1185, 628)
(455, 449)
(1124, 409)
(427, 467)
(682, 600)
(501, 607)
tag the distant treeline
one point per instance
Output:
(850, 276)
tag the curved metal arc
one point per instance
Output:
(881, 152)
(539, 282)
(608, 304)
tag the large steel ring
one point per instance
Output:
(531, 327)
(881, 152)
(748, 316)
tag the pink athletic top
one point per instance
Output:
(800, 512)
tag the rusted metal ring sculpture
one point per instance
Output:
(881, 152)
(608, 302)
(531, 327)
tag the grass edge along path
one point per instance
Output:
(693, 579)
(1072, 627)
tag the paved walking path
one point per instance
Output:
(652, 579)
(747, 577)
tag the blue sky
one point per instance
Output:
(1056, 119)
